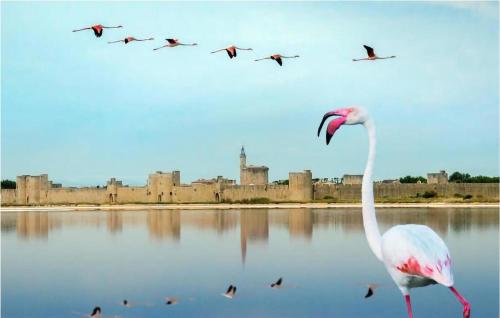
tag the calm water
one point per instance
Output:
(58, 262)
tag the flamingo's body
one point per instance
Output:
(129, 39)
(372, 56)
(98, 29)
(173, 43)
(414, 255)
(278, 58)
(231, 50)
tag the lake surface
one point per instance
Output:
(57, 263)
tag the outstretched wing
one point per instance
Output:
(278, 59)
(171, 41)
(416, 250)
(370, 51)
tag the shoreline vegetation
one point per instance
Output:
(228, 206)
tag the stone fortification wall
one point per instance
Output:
(196, 193)
(8, 196)
(275, 193)
(132, 194)
(74, 196)
(407, 190)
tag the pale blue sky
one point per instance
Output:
(83, 111)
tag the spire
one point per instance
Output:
(242, 151)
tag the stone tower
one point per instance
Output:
(250, 174)
(243, 158)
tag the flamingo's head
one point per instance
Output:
(347, 116)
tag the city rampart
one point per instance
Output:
(342, 192)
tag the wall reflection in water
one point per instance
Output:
(254, 224)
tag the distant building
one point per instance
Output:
(352, 179)
(252, 175)
(437, 178)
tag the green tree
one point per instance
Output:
(410, 179)
(458, 177)
(8, 184)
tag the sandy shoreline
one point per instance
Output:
(142, 207)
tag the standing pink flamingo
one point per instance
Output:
(414, 255)
(231, 50)
(130, 39)
(98, 29)
(372, 56)
(278, 58)
(174, 43)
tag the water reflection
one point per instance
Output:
(164, 224)
(193, 251)
(254, 227)
(254, 224)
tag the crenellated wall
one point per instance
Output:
(166, 188)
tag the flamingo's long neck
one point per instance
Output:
(368, 204)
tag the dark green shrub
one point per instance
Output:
(429, 194)
(8, 184)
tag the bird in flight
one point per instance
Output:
(231, 291)
(278, 58)
(277, 284)
(372, 56)
(174, 43)
(130, 39)
(98, 29)
(231, 50)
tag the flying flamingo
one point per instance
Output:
(130, 39)
(278, 58)
(414, 255)
(98, 29)
(231, 50)
(372, 56)
(174, 43)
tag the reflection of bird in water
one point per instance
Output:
(278, 283)
(128, 304)
(231, 291)
(371, 290)
(171, 301)
(96, 313)
(175, 300)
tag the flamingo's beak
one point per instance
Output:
(334, 125)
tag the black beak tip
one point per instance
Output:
(328, 138)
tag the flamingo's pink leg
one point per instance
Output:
(463, 301)
(408, 305)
